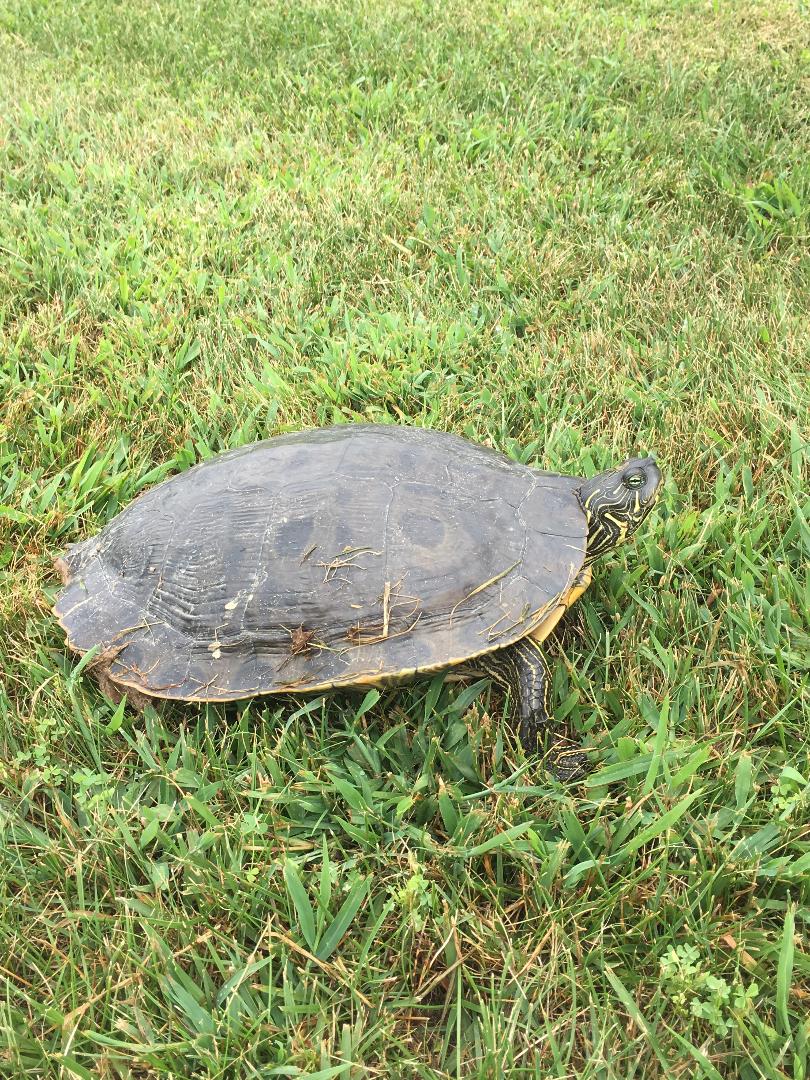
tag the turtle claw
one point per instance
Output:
(564, 759)
(567, 763)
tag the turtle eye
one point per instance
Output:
(635, 479)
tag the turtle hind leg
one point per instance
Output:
(523, 670)
(99, 669)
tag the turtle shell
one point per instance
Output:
(336, 557)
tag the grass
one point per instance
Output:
(571, 231)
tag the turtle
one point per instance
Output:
(360, 555)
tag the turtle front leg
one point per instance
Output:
(523, 670)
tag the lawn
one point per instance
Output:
(574, 232)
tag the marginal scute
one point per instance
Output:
(336, 557)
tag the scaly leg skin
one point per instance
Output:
(523, 670)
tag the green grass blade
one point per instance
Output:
(784, 970)
(339, 926)
(300, 898)
(659, 826)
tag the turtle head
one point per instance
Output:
(616, 502)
